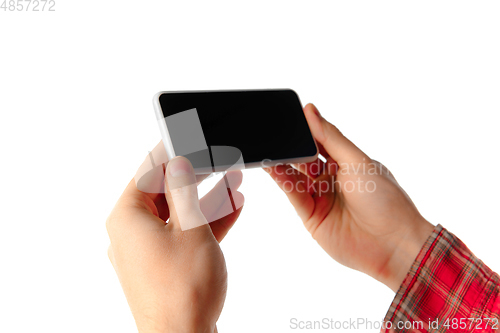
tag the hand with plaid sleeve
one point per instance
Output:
(357, 212)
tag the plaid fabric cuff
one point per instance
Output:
(447, 289)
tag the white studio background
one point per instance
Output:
(414, 84)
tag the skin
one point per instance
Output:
(176, 281)
(367, 222)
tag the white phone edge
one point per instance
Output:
(169, 148)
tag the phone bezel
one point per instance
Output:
(167, 142)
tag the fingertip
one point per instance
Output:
(182, 195)
(238, 199)
(235, 173)
(179, 173)
(234, 178)
(315, 122)
(179, 166)
(330, 137)
(310, 107)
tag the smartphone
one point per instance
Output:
(234, 129)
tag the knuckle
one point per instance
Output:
(110, 222)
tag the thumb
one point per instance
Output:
(335, 143)
(182, 195)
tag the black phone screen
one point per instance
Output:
(260, 124)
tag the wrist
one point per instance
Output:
(188, 328)
(405, 252)
(187, 309)
(174, 324)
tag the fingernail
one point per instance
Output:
(179, 167)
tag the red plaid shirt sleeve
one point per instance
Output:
(447, 289)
